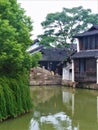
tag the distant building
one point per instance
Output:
(67, 67)
(35, 47)
(53, 58)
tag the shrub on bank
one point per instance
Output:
(14, 96)
(15, 61)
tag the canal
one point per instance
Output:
(58, 108)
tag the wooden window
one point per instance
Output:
(96, 41)
(82, 65)
(84, 43)
(88, 42)
(81, 43)
(76, 64)
(92, 42)
(91, 65)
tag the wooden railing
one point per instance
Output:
(85, 77)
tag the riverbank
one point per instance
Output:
(41, 76)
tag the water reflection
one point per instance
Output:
(58, 108)
(97, 108)
(58, 121)
(68, 109)
(68, 98)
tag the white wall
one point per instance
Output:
(97, 70)
(72, 70)
(78, 48)
(67, 75)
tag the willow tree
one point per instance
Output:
(15, 62)
(60, 27)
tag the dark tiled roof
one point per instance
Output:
(96, 26)
(92, 31)
(93, 27)
(36, 49)
(86, 54)
(55, 54)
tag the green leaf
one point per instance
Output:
(62, 26)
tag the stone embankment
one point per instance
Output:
(41, 76)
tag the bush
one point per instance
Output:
(14, 96)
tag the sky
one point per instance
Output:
(38, 9)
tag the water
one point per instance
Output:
(58, 108)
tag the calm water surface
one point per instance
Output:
(58, 108)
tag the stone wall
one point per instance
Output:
(41, 76)
(69, 83)
(87, 85)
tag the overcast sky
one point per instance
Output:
(38, 9)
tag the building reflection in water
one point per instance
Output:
(97, 108)
(84, 108)
(68, 99)
(73, 111)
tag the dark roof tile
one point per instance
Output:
(93, 27)
(86, 54)
(55, 54)
(88, 33)
(92, 31)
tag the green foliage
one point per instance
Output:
(60, 27)
(15, 62)
(7, 107)
(15, 29)
(47, 40)
(3, 111)
(14, 96)
(35, 58)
